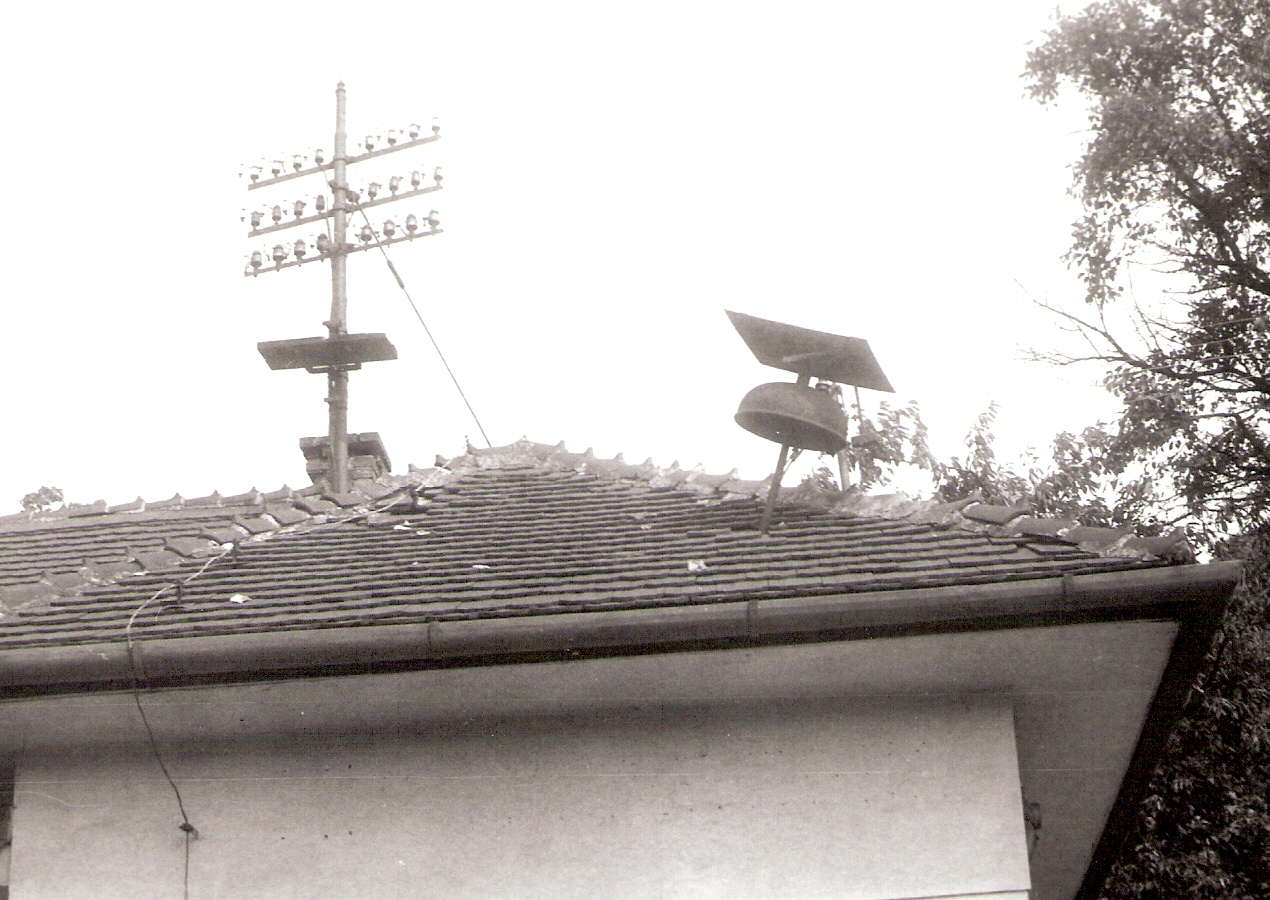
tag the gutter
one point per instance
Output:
(1193, 595)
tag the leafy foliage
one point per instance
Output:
(1176, 176)
(44, 498)
(1203, 829)
(894, 441)
(897, 438)
(1082, 479)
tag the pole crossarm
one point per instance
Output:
(348, 248)
(392, 148)
(352, 208)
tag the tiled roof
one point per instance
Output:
(522, 530)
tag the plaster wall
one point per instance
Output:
(860, 799)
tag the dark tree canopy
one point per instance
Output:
(1176, 177)
(1203, 830)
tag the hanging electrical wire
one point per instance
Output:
(191, 833)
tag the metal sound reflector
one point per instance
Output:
(317, 354)
(828, 357)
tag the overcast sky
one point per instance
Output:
(617, 175)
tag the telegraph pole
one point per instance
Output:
(339, 352)
(337, 325)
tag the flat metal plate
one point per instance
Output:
(829, 357)
(327, 352)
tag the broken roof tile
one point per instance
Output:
(316, 505)
(63, 582)
(110, 571)
(255, 524)
(17, 596)
(285, 513)
(190, 546)
(156, 560)
(225, 534)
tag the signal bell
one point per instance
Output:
(796, 415)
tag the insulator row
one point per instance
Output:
(298, 162)
(260, 218)
(388, 231)
(393, 135)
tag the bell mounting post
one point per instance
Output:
(339, 352)
(797, 415)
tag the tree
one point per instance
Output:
(1203, 829)
(1176, 177)
(45, 498)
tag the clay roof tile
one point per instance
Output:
(526, 529)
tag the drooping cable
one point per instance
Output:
(191, 833)
(186, 826)
(428, 332)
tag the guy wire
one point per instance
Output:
(428, 332)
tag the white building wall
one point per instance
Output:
(855, 799)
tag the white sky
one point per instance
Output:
(617, 174)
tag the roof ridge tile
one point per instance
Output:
(212, 499)
(137, 505)
(944, 513)
(1172, 547)
(1094, 537)
(96, 508)
(176, 501)
(1034, 526)
(994, 514)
